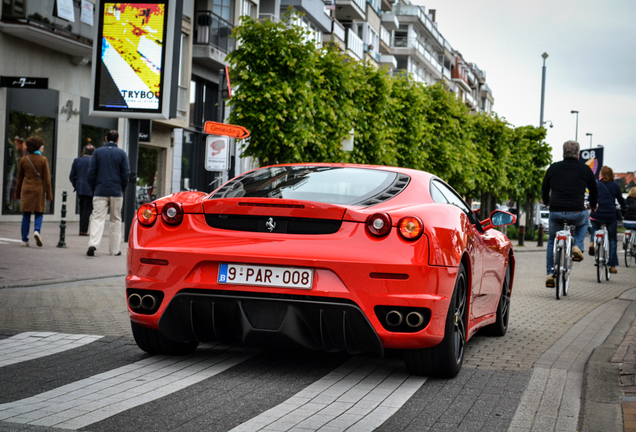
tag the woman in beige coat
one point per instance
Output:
(34, 186)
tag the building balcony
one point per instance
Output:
(387, 5)
(403, 46)
(34, 21)
(351, 10)
(481, 75)
(390, 21)
(355, 46)
(469, 100)
(410, 13)
(388, 60)
(314, 11)
(385, 41)
(212, 40)
(337, 36)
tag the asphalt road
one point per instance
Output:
(68, 361)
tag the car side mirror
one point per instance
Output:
(498, 218)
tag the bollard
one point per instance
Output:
(540, 236)
(522, 234)
(62, 242)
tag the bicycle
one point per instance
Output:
(563, 259)
(629, 244)
(601, 253)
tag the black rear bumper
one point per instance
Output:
(259, 320)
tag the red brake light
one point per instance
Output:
(379, 224)
(172, 213)
(147, 214)
(410, 227)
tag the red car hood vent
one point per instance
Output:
(273, 215)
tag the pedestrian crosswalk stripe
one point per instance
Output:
(33, 345)
(94, 399)
(360, 395)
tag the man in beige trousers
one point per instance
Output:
(107, 177)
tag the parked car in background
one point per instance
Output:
(542, 217)
(333, 257)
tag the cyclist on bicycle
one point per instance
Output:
(563, 189)
(629, 219)
(608, 192)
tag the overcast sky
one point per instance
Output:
(591, 66)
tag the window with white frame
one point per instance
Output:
(311, 31)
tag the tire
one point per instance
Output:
(500, 327)
(598, 260)
(445, 359)
(154, 342)
(607, 267)
(628, 253)
(558, 269)
(565, 275)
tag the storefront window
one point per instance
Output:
(147, 170)
(21, 126)
(92, 135)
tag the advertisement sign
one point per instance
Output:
(216, 153)
(133, 58)
(65, 10)
(592, 158)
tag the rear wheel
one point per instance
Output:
(154, 342)
(628, 252)
(445, 359)
(500, 327)
(606, 261)
(558, 272)
(598, 258)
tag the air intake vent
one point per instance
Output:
(398, 186)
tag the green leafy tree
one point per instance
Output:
(274, 68)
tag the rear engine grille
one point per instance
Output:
(283, 225)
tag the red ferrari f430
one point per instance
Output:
(333, 257)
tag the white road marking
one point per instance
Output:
(358, 396)
(93, 399)
(9, 240)
(33, 345)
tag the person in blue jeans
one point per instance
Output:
(608, 193)
(33, 188)
(563, 190)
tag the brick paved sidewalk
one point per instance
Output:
(33, 266)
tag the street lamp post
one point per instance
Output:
(590, 135)
(545, 56)
(576, 132)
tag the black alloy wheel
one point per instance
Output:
(500, 326)
(445, 359)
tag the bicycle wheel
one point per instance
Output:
(606, 262)
(598, 260)
(628, 252)
(558, 271)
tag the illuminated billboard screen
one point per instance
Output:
(131, 56)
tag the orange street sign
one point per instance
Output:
(234, 131)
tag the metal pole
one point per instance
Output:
(576, 133)
(62, 242)
(130, 199)
(545, 56)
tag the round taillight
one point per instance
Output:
(147, 214)
(172, 213)
(379, 224)
(410, 227)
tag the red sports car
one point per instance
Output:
(334, 257)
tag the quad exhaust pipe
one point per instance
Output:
(146, 302)
(413, 319)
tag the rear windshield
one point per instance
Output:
(334, 185)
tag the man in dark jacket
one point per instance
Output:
(107, 176)
(79, 179)
(563, 189)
